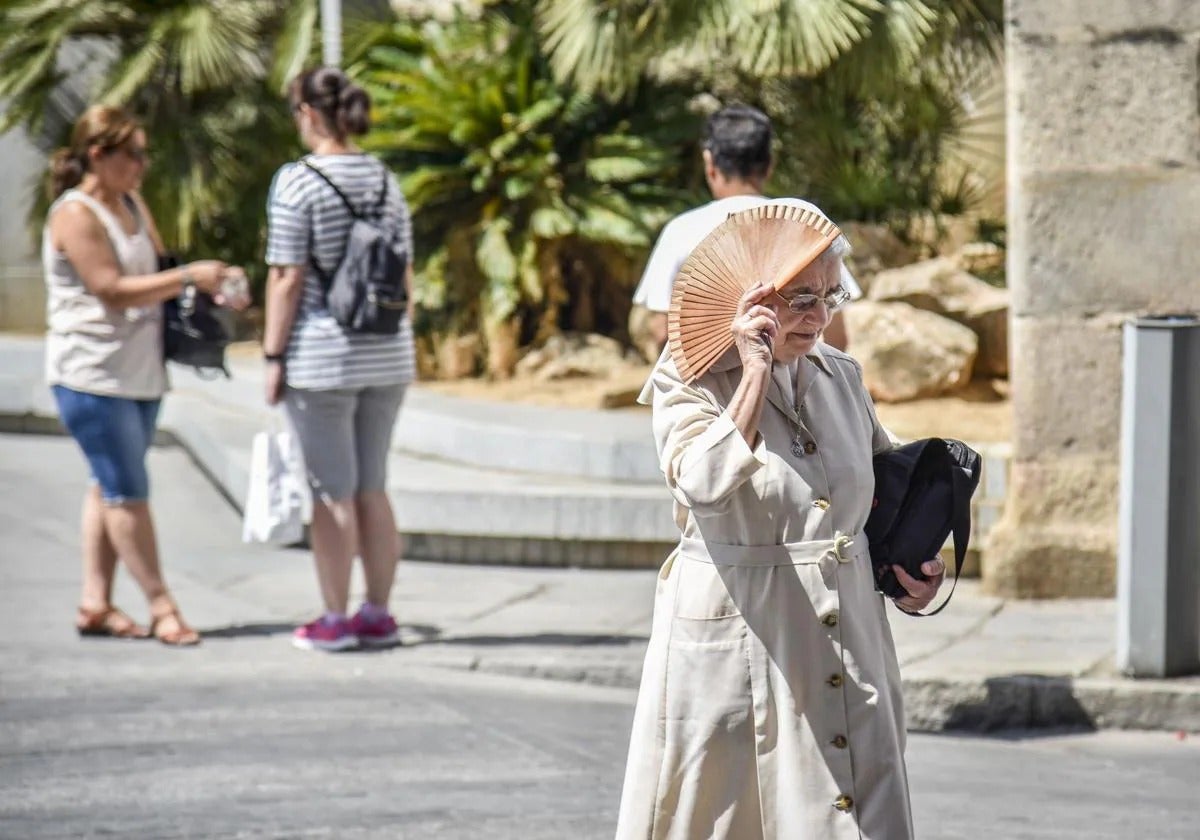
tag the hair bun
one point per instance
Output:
(354, 110)
(66, 171)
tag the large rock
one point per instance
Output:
(942, 287)
(873, 249)
(572, 355)
(908, 353)
(641, 335)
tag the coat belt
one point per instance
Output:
(843, 548)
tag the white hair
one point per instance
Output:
(839, 248)
(831, 258)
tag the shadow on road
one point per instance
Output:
(549, 639)
(1020, 702)
(239, 631)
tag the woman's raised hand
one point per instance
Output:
(755, 327)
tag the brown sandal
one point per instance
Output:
(181, 636)
(108, 621)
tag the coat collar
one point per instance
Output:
(790, 383)
(731, 360)
(818, 358)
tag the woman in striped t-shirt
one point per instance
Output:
(341, 390)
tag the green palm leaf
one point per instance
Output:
(294, 44)
(493, 150)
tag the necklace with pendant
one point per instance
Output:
(800, 447)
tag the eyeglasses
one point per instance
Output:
(805, 302)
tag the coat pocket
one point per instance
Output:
(707, 783)
(703, 593)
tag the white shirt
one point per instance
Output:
(687, 230)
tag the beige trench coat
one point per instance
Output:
(770, 704)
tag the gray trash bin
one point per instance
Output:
(1158, 563)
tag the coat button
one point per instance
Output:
(823, 504)
(835, 680)
(840, 742)
(809, 447)
(830, 620)
(843, 803)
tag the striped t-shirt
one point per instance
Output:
(306, 218)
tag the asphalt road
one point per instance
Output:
(247, 738)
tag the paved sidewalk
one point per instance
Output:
(983, 664)
(247, 737)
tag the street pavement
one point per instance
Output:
(983, 664)
(246, 737)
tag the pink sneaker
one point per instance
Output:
(375, 631)
(317, 635)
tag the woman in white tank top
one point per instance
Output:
(104, 359)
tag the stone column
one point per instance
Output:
(22, 289)
(1103, 224)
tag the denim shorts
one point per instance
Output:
(344, 434)
(114, 434)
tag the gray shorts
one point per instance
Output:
(344, 434)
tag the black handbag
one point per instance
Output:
(192, 333)
(922, 495)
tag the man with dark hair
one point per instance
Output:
(737, 164)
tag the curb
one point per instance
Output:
(1038, 702)
(931, 704)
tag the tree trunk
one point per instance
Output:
(503, 344)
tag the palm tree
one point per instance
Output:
(603, 45)
(204, 77)
(526, 193)
(870, 98)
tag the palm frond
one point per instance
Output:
(294, 45)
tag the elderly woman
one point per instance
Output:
(770, 704)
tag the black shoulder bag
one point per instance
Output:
(922, 495)
(192, 334)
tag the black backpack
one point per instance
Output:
(922, 494)
(367, 292)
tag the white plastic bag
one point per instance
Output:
(278, 500)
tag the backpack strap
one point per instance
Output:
(326, 278)
(383, 191)
(350, 207)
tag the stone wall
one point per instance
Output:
(22, 291)
(1104, 220)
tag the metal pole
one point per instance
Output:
(1158, 561)
(331, 32)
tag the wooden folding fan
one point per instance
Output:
(771, 243)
